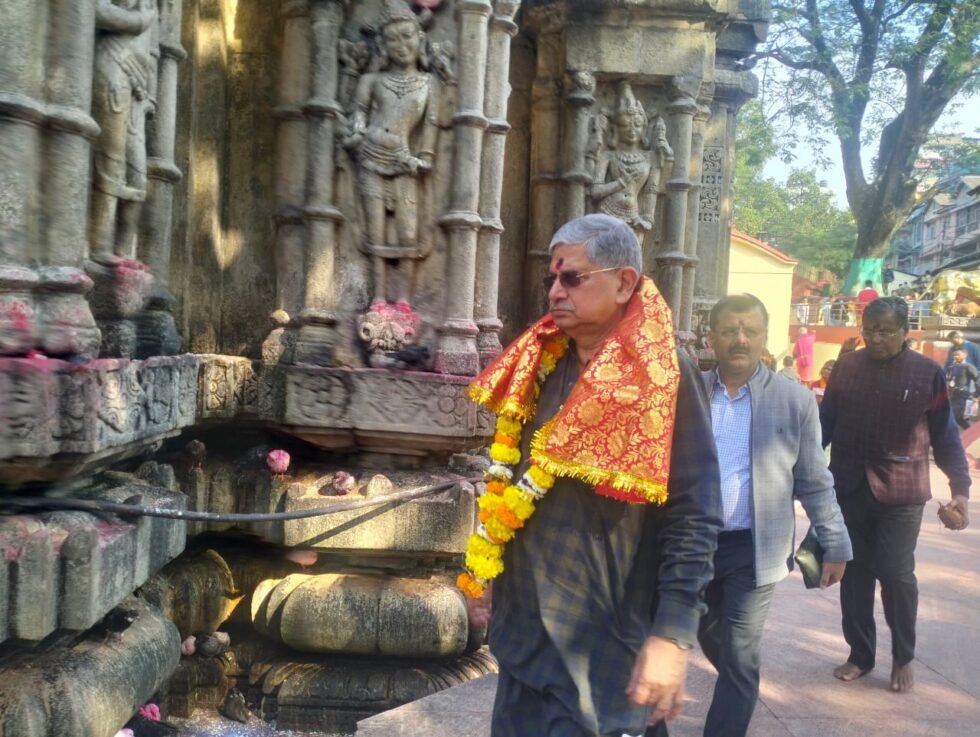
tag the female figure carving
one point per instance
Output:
(626, 178)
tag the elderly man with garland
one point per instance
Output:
(602, 507)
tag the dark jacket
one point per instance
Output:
(880, 418)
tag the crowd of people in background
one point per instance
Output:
(841, 310)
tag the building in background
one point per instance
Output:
(766, 272)
(942, 232)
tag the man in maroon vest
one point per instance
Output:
(884, 406)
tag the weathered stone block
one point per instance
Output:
(227, 388)
(358, 614)
(64, 417)
(332, 693)
(67, 569)
(441, 523)
(199, 592)
(92, 688)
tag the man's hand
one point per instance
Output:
(831, 572)
(962, 503)
(478, 610)
(658, 678)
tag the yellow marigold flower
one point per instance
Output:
(508, 425)
(486, 568)
(496, 487)
(497, 530)
(503, 454)
(476, 545)
(485, 514)
(518, 502)
(488, 502)
(540, 477)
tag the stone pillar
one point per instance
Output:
(317, 334)
(457, 352)
(671, 260)
(64, 320)
(545, 155)
(156, 329)
(579, 90)
(693, 208)
(291, 142)
(22, 37)
(502, 30)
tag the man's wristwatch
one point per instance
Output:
(680, 645)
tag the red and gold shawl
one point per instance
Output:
(614, 431)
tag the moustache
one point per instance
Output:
(564, 306)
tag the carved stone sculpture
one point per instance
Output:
(393, 138)
(626, 175)
(124, 93)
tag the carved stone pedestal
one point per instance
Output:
(156, 329)
(121, 290)
(64, 323)
(17, 318)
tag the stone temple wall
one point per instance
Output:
(251, 254)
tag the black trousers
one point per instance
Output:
(883, 537)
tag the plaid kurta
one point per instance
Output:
(584, 575)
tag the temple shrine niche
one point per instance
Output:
(251, 254)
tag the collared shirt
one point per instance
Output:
(731, 424)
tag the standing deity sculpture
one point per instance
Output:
(626, 176)
(124, 93)
(392, 136)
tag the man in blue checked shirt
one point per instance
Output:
(767, 432)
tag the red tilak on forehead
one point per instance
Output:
(560, 262)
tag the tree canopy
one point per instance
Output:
(798, 216)
(875, 73)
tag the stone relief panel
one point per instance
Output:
(317, 398)
(627, 156)
(712, 180)
(123, 96)
(398, 90)
(57, 407)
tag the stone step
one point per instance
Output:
(460, 711)
(65, 570)
(93, 687)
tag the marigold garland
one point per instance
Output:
(505, 506)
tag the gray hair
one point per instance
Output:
(608, 241)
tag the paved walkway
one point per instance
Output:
(802, 644)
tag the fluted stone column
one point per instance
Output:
(693, 215)
(502, 30)
(579, 90)
(545, 155)
(22, 37)
(64, 320)
(317, 334)
(290, 186)
(671, 259)
(156, 328)
(457, 352)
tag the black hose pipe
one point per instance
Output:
(9, 505)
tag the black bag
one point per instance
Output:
(809, 557)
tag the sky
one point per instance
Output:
(965, 120)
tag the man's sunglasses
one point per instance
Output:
(571, 279)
